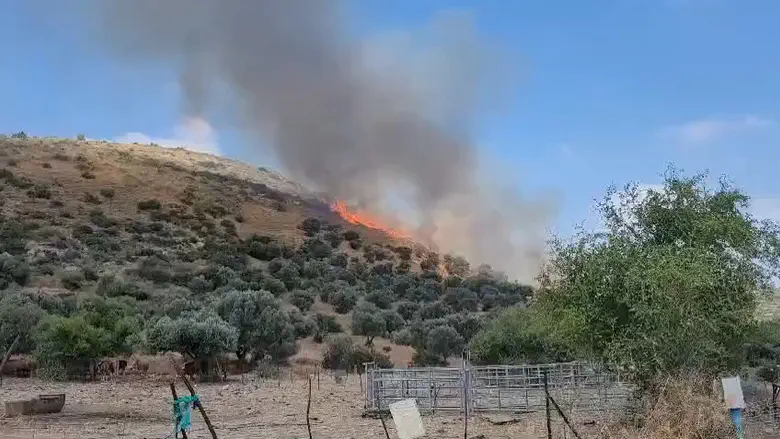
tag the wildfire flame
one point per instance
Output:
(367, 220)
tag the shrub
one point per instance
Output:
(407, 309)
(111, 286)
(326, 325)
(13, 163)
(72, 278)
(516, 336)
(275, 286)
(88, 175)
(304, 326)
(382, 298)
(19, 315)
(13, 269)
(310, 226)
(12, 236)
(39, 191)
(338, 354)
(108, 193)
(81, 137)
(393, 320)
(435, 310)
(90, 199)
(302, 299)
(351, 235)
(152, 204)
(69, 344)
(343, 300)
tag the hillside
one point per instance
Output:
(144, 233)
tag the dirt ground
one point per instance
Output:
(254, 408)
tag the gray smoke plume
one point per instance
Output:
(356, 118)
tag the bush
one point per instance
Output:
(516, 336)
(12, 236)
(302, 299)
(407, 309)
(382, 298)
(90, 199)
(435, 310)
(393, 320)
(275, 286)
(70, 344)
(13, 269)
(39, 191)
(111, 286)
(152, 204)
(343, 300)
(338, 354)
(310, 226)
(107, 193)
(351, 235)
(326, 325)
(72, 279)
(19, 315)
(87, 175)
(304, 326)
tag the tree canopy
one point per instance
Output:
(669, 284)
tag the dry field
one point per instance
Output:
(254, 408)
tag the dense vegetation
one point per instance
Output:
(178, 277)
(669, 286)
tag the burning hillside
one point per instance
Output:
(367, 220)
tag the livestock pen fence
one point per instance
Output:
(506, 388)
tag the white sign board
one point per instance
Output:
(732, 393)
(408, 423)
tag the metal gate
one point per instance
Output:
(515, 388)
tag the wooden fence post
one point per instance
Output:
(8, 354)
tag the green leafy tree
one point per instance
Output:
(68, 344)
(393, 320)
(201, 336)
(19, 315)
(516, 336)
(303, 299)
(367, 320)
(262, 326)
(444, 341)
(671, 283)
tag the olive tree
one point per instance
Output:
(669, 285)
(262, 326)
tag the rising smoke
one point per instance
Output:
(357, 118)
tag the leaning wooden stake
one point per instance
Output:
(547, 406)
(175, 397)
(308, 409)
(206, 419)
(563, 415)
(7, 355)
(384, 425)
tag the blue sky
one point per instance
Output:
(609, 91)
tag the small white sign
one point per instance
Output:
(732, 393)
(408, 423)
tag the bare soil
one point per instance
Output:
(248, 408)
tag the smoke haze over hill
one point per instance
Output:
(360, 119)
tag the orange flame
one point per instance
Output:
(365, 219)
